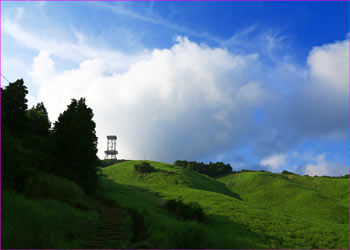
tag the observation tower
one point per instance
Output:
(111, 151)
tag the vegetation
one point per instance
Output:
(28, 223)
(109, 162)
(40, 209)
(243, 210)
(143, 167)
(286, 172)
(48, 186)
(76, 145)
(191, 211)
(211, 169)
(69, 150)
(14, 125)
(49, 177)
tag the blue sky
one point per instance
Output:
(260, 85)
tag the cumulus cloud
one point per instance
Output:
(329, 66)
(322, 105)
(191, 101)
(274, 162)
(320, 166)
(183, 102)
(307, 103)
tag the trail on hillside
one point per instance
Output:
(115, 230)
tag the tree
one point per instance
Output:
(38, 119)
(14, 107)
(76, 145)
(15, 167)
(39, 139)
(211, 169)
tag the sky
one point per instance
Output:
(258, 85)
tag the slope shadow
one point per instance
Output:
(219, 187)
(215, 186)
(224, 233)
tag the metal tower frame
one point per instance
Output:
(111, 147)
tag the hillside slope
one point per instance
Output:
(246, 210)
(319, 197)
(54, 213)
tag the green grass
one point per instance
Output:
(53, 213)
(245, 210)
(48, 186)
(28, 223)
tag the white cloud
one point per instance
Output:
(185, 102)
(175, 103)
(321, 106)
(43, 68)
(329, 66)
(320, 166)
(191, 100)
(65, 48)
(274, 162)
(31, 101)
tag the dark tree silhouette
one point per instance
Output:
(38, 119)
(14, 172)
(211, 169)
(14, 108)
(29, 146)
(76, 145)
(39, 138)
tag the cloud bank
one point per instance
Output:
(192, 101)
(320, 166)
(181, 102)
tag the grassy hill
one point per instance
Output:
(245, 210)
(53, 213)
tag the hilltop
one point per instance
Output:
(167, 206)
(245, 210)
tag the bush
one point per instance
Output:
(212, 169)
(48, 186)
(286, 172)
(144, 167)
(192, 211)
(248, 170)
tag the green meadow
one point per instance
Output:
(54, 213)
(245, 210)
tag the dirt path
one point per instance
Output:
(115, 231)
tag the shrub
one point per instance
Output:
(187, 212)
(248, 170)
(144, 167)
(48, 186)
(211, 169)
(286, 172)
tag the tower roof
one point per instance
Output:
(112, 137)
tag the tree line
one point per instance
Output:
(32, 145)
(211, 169)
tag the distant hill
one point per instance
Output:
(245, 210)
